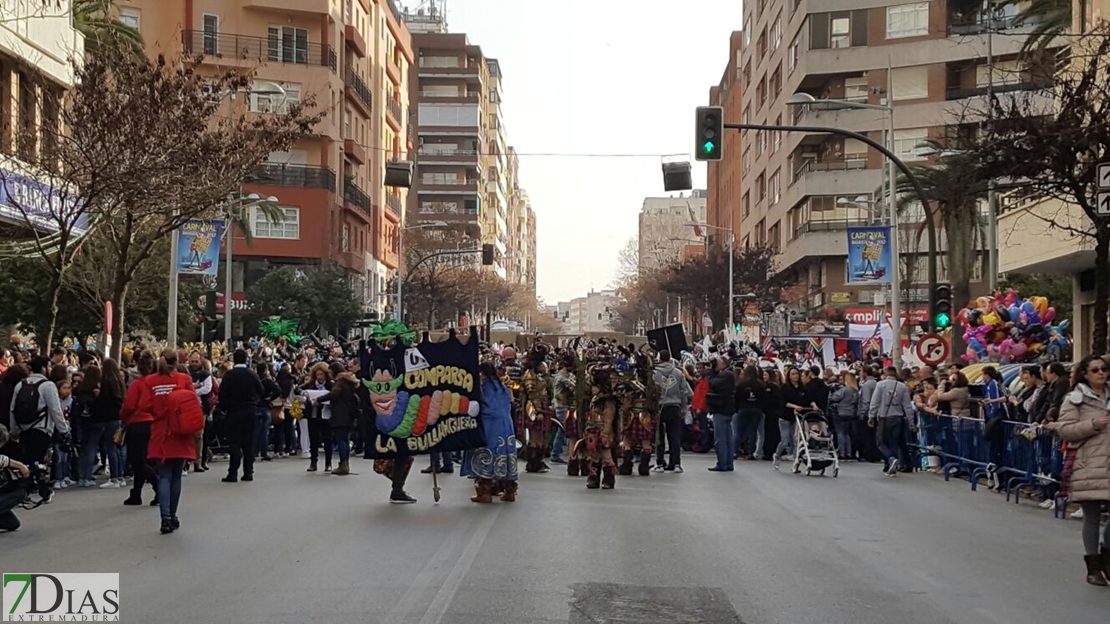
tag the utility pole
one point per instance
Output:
(992, 194)
(895, 278)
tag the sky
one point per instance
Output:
(589, 77)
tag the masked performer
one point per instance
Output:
(535, 406)
(494, 466)
(599, 430)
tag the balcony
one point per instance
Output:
(315, 7)
(355, 40)
(393, 70)
(472, 73)
(358, 93)
(830, 165)
(393, 107)
(232, 47)
(959, 93)
(355, 151)
(469, 96)
(393, 203)
(354, 196)
(303, 176)
(817, 239)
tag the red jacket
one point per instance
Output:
(698, 403)
(136, 405)
(162, 444)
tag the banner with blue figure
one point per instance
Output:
(869, 257)
(198, 247)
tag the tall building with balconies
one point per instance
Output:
(461, 150)
(723, 191)
(665, 230)
(352, 56)
(35, 45)
(802, 190)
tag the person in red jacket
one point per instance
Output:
(700, 409)
(171, 450)
(136, 419)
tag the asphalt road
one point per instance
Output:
(752, 546)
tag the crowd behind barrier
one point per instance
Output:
(1017, 454)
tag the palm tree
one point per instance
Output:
(955, 192)
(1049, 18)
(96, 20)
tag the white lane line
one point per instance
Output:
(409, 604)
(438, 609)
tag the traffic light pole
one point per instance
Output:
(930, 223)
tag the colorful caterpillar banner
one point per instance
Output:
(425, 397)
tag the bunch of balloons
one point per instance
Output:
(1007, 329)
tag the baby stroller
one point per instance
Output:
(814, 444)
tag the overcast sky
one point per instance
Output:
(589, 77)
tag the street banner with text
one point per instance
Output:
(869, 258)
(198, 247)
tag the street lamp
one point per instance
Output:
(805, 99)
(401, 260)
(731, 253)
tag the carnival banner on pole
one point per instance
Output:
(869, 259)
(198, 247)
(425, 397)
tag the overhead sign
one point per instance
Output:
(25, 200)
(869, 259)
(932, 349)
(816, 329)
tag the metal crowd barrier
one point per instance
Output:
(1018, 453)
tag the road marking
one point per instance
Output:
(409, 604)
(446, 593)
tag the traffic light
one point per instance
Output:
(707, 145)
(210, 306)
(942, 307)
(487, 254)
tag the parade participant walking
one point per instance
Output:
(1085, 423)
(493, 466)
(563, 386)
(674, 395)
(169, 448)
(240, 393)
(536, 390)
(600, 431)
(344, 403)
(318, 430)
(720, 401)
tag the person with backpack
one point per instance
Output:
(171, 392)
(36, 413)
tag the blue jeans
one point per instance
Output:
(59, 466)
(893, 440)
(786, 438)
(722, 433)
(844, 428)
(442, 461)
(262, 430)
(169, 487)
(342, 437)
(560, 437)
(97, 438)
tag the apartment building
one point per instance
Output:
(1026, 245)
(353, 57)
(462, 155)
(521, 257)
(801, 190)
(36, 44)
(665, 230)
(723, 186)
(591, 313)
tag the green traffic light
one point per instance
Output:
(708, 147)
(943, 320)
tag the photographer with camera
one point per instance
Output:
(36, 413)
(12, 493)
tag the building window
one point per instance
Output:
(450, 178)
(747, 160)
(745, 205)
(909, 83)
(841, 33)
(792, 56)
(130, 17)
(289, 228)
(776, 187)
(761, 186)
(345, 241)
(776, 137)
(776, 33)
(908, 141)
(776, 82)
(759, 142)
(855, 89)
(747, 31)
(440, 61)
(288, 44)
(762, 140)
(907, 20)
(211, 34)
(263, 101)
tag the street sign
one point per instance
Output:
(1104, 176)
(932, 349)
(1103, 203)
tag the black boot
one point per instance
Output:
(593, 476)
(609, 477)
(1095, 574)
(311, 466)
(626, 464)
(573, 467)
(645, 464)
(400, 497)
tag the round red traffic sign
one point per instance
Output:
(932, 349)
